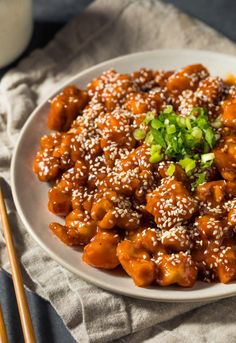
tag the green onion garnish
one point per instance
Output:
(155, 148)
(171, 129)
(168, 109)
(139, 134)
(149, 117)
(156, 157)
(207, 157)
(185, 140)
(197, 133)
(149, 138)
(187, 164)
(181, 121)
(156, 124)
(171, 169)
(217, 123)
(201, 178)
(188, 123)
(210, 137)
(197, 111)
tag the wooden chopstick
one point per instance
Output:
(3, 331)
(25, 318)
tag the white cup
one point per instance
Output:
(16, 25)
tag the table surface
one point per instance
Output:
(49, 17)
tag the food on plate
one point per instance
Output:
(142, 167)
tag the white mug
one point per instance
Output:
(16, 25)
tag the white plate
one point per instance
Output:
(32, 205)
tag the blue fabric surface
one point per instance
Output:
(49, 17)
(219, 14)
(48, 326)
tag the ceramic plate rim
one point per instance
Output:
(160, 296)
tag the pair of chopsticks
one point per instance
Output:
(23, 308)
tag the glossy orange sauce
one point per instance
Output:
(125, 210)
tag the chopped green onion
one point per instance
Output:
(156, 124)
(149, 117)
(186, 140)
(207, 157)
(217, 123)
(156, 157)
(139, 134)
(155, 148)
(192, 117)
(188, 123)
(200, 179)
(149, 138)
(171, 129)
(197, 110)
(204, 166)
(158, 138)
(188, 164)
(196, 156)
(197, 133)
(206, 148)
(210, 137)
(168, 109)
(171, 169)
(181, 121)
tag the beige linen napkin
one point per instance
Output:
(105, 30)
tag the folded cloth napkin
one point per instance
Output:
(105, 30)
